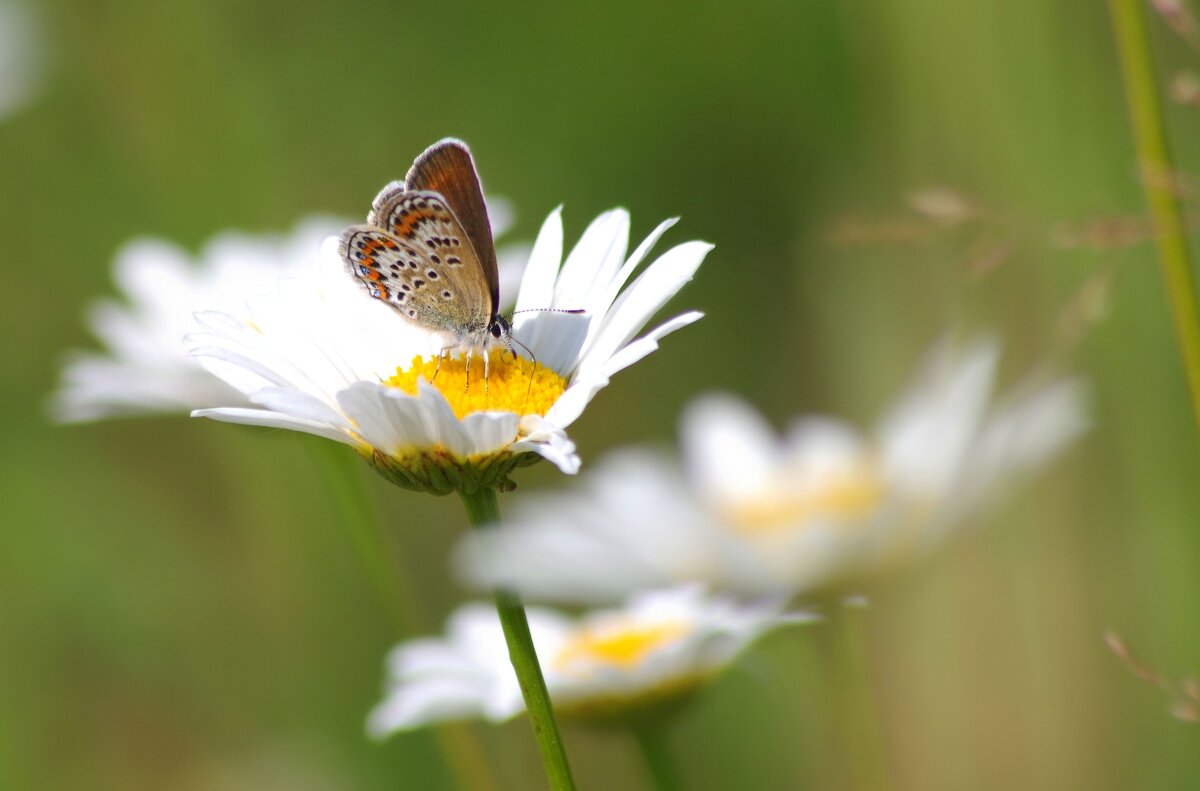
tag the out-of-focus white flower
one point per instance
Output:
(661, 646)
(145, 368)
(755, 513)
(22, 55)
(341, 365)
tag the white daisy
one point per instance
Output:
(661, 646)
(755, 513)
(326, 359)
(146, 368)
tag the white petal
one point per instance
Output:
(537, 286)
(631, 526)
(547, 440)
(554, 339)
(648, 343)
(926, 435)
(423, 702)
(389, 420)
(594, 260)
(146, 269)
(301, 406)
(644, 297)
(729, 449)
(163, 287)
(489, 431)
(261, 417)
(394, 421)
(429, 655)
(242, 372)
(603, 297)
(578, 395)
(1036, 426)
(23, 50)
(813, 441)
(452, 434)
(94, 387)
(574, 400)
(1020, 437)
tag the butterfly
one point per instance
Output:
(426, 251)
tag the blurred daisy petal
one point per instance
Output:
(146, 368)
(755, 513)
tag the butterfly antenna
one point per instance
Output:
(572, 311)
(532, 356)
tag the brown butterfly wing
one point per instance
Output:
(447, 168)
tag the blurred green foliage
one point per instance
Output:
(179, 604)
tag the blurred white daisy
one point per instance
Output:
(756, 513)
(145, 367)
(22, 55)
(324, 358)
(657, 649)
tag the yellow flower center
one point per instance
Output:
(513, 384)
(622, 644)
(791, 503)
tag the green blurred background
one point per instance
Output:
(179, 603)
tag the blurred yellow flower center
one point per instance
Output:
(792, 502)
(621, 645)
(513, 383)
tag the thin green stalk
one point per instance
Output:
(1158, 179)
(342, 470)
(859, 751)
(652, 741)
(483, 511)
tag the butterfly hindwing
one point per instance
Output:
(415, 255)
(373, 258)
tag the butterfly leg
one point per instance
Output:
(437, 369)
(487, 359)
(467, 386)
(445, 350)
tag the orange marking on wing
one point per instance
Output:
(368, 252)
(404, 227)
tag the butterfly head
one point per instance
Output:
(500, 329)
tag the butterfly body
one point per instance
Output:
(426, 251)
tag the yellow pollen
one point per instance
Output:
(847, 496)
(620, 645)
(513, 383)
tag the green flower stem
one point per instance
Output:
(860, 749)
(483, 510)
(652, 741)
(342, 470)
(1158, 176)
